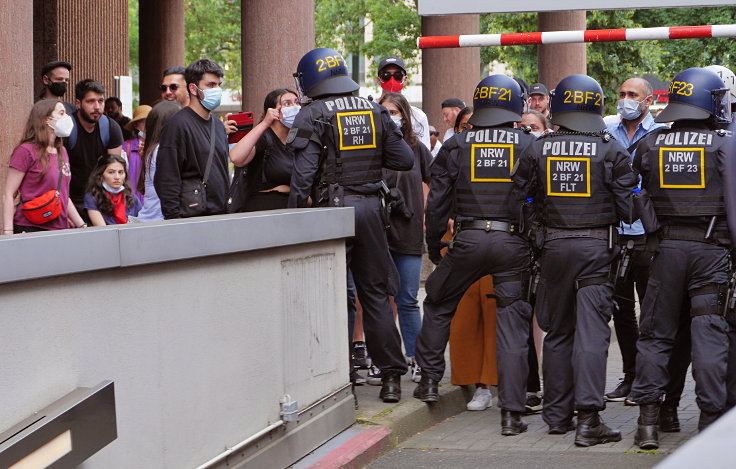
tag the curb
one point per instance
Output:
(380, 432)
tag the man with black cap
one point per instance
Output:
(55, 77)
(579, 181)
(451, 107)
(391, 78)
(341, 142)
(471, 182)
(539, 99)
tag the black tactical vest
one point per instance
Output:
(486, 157)
(685, 178)
(354, 144)
(573, 172)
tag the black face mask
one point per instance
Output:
(58, 88)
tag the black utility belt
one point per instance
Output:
(693, 233)
(595, 233)
(486, 225)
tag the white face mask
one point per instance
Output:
(64, 126)
(630, 109)
(289, 114)
(397, 120)
(141, 135)
(537, 134)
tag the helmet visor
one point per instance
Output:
(722, 105)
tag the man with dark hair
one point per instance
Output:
(94, 135)
(55, 77)
(194, 145)
(114, 110)
(173, 86)
(539, 99)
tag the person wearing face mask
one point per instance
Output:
(263, 151)
(39, 165)
(392, 78)
(109, 200)
(55, 79)
(193, 150)
(635, 97)
(536, 122)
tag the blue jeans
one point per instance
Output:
(410, 320)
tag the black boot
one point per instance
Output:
(591, 431)
(706, 418)
(427, 390)
(561, 429)
(511, 423)
(647, 434)
(668, 421)
(391, 388)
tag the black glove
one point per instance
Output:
(434, 255)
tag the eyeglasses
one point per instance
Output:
(173, 87)
(386, 76)
(434, 132)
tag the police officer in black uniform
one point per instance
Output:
(341, 142)
(471, 181)
(682, 170)
(581, 181)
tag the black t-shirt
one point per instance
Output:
(271, 166)
(406, 236)
(83, 157)
(122, 121)
(182, 154)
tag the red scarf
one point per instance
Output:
(119, 210)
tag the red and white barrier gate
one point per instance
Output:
(566, 37)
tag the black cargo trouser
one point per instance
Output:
(368, 260)
(475, 254)
(574, 306)
(682, 268)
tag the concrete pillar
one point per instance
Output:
(161, 44)
(556, 61)
(448, 73)
(275, 35)
(16, 94)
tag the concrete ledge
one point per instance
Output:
(38, 255)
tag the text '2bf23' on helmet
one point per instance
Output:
(497, 100)
(323, 72)
(577, 104)
(697, 94)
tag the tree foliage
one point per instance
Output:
(341, 25)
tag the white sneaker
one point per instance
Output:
(482, 400)
(374, 376)
(416, 372)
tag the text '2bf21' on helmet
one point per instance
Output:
(497, 100)
(323, 72)
(697, 94)
(577, 104)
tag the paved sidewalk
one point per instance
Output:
(480, 432)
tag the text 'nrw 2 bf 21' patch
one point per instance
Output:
(568, 177)
(357, 130)
(681, 168)
(491, 162)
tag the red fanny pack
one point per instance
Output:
(45, 207)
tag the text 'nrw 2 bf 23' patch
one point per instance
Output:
(357, 130)
(491, 162)
(681, 168)
(568, 177)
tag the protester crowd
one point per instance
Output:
(529, 206)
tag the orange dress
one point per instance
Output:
(473, 335)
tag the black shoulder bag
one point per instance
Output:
(194, 190)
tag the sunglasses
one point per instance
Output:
(173, 87)
(386, 76)
(434, 132)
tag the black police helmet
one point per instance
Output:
(323, 72)
(497, 100)
(697, 94)
(577, 104)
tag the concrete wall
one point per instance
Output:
(202, 324)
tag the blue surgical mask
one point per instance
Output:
(111, 189)
(397, 120)
(289, 114)
(630, 109)
(212, 98)
(537, 134)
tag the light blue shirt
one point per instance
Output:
(151, 210)
(619, 132)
